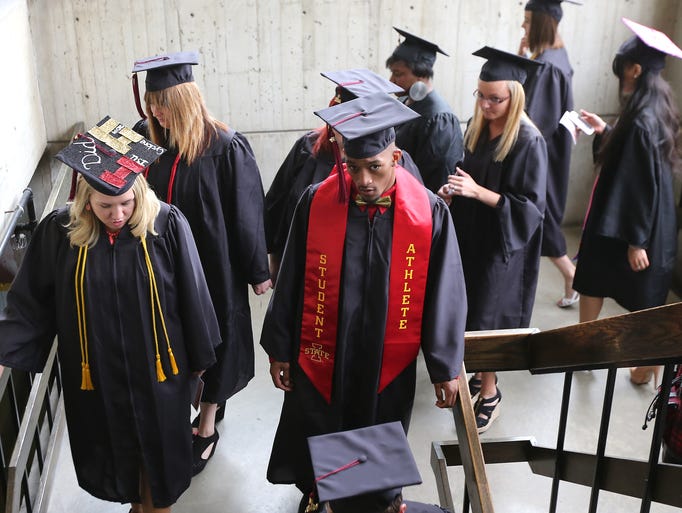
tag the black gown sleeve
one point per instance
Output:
(245, 206)
(281, 326)
(629, 207)
(521, 208)
(445, 305)
(438, 149)
(28, 324)
(196, 308)
(277, 197)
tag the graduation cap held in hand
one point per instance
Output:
(362, 470)
(110, 156)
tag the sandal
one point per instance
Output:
(487, 410)
(565, 302)
(219, 415)
(475, 385)
(199, 446)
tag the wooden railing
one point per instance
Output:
(647, 337)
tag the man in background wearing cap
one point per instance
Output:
(363, 285)
(434, 140)
(311, 159)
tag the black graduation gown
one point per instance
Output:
(548, 95)
(632, 204)
(129, 420)
(221, 195)
(362, 318)
(500, 246)
(299, 170)
(434, 140)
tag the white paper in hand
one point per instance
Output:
(572, 122)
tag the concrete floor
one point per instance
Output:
(234, 480)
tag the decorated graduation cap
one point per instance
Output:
(110, 156)
(416, 49)
(362, 470)
(551, 7)
(163, 71)
(503, 65)
(354, 83)
(648, 48)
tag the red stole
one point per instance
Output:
(411, 246)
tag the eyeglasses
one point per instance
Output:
(496, 100)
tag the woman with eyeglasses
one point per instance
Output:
(549, 94)
(497, 201)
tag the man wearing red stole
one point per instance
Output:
(370, 274)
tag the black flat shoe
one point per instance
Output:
(199, 446)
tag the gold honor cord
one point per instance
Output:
(86, 380)
(156, 303)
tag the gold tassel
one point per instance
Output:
(160, 376)
(86, 380)
(174, 366)
(79, 278)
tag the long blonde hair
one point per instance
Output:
(515, 115)
(191, 128)
(84, 227)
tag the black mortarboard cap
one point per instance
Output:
(366, 123)
(167, 70)
(502, 65)
(648, 47)
(551, 7)
(110, 156)
(363, 469)
(416, 49)
(163, 71)
(353, 83)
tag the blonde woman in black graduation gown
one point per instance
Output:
(497, 201)
(127, 362)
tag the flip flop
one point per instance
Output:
(565, 302)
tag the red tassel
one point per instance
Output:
(136, 95)
(343, 192)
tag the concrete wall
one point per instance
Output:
(260, 59)
(22, 129)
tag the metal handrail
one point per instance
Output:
(25, 205)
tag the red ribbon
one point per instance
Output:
(411, 246)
